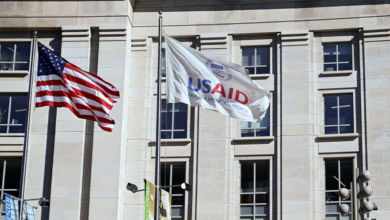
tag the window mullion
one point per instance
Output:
(9, 113)
(338, 114)
(170, 177)
(255, 62)
(13, 63)
(337, 56)
(173, 119)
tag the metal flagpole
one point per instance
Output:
(158, 124)
(26, 134)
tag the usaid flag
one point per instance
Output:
(11, 207)
(198, 79)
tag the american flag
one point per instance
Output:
(63, 84)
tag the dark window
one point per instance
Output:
(13, 112)
(338, 174)
(254, 195)
(338, 114)
(256, 59)
(14, 56)
(173, 120)
(337, 57)
(256, 129)
(175, 174)
(163, 63)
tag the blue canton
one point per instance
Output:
(49, 63)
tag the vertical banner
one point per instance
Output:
(11, 207)
(28, 211)
(150, 195)
(165, 205)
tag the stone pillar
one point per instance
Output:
(297, 147)
(109, 149)
(65, 201)
(215, 153)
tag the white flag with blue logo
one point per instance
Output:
(198, 79)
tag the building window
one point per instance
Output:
(338, 174)
(337, 57)
(14, 56)
(338, 114)
(173, 120)
(10, 171)
(254, 195)
(163, 63)
(256, 59)
(13, 112)
(174, 174)
(256, 129)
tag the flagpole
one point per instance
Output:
(26, 134)
(158, 124)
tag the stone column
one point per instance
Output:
(297, 147)
(215, 154)
(109, 149)
(65, 201)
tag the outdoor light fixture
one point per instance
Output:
(344, 194)
(365, 176)
(369, 206)
(44, 202)
(344, 209)
(186, 187)
(367, 191)
(132, 187)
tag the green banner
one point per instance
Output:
(150, 194)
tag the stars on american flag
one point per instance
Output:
(49, 62)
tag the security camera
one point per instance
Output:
(132, 187)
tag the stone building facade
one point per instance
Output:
(326, 63)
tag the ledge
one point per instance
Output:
(17, 72)
(184, 140)
(12, 135)
(325, 136)
(332, 73)
(254, 76)
(268, 138)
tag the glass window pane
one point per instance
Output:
(5, 66)
(16, 129)
(346, 175)
(332, 208)
(262, 56)
(246, 218)
(265, 122)
(329, 53)
(346, 109)
(178, 177)
(177, 211)
(332, 217)
(3, 129)
(21, 66)
(247, 133)
(1, 170)
(166, 135)
(166, 121)
(22, 52)
(7, 51)
(261, 218)
(248, 56)
(345, 66)
(262, 70)
(163, 73)
(262, 198)
(331, 130)
(12, 174)
(177, 200)
(180, 114)
(331, 196)
(18, 109)
(263, 209)
(247, 177)
(246, 210)
(262, 132)
(165, 174)
(247, 198)
(346, 129)
(330, 106)
(251, 70)
(163, 59)
(345, 52)
(4, 108)
(262, 176)
(331, 173)
(179, 134)
(348, 217)
(247, 124)
(330, 67)
(12, 193)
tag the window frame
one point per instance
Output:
(173, 121)
(269, 128)
(269, 57)
(169, 190)
(9, 115)
(14, 55)
(321, 121)
(339, 202)
(2, 189)
(163, 64)
(337, 56)
(270, 190)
